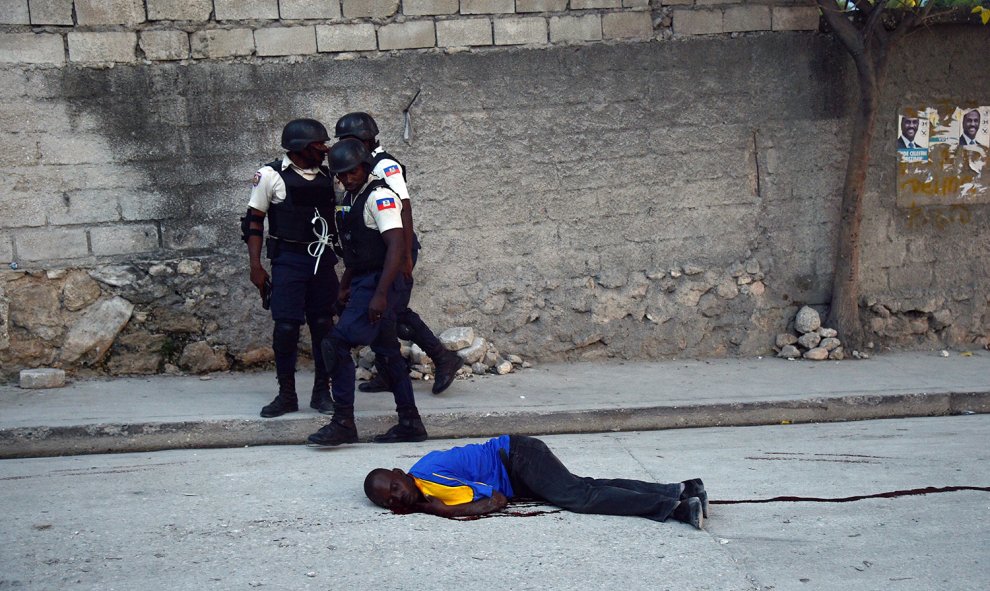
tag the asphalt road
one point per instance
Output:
(290, 517)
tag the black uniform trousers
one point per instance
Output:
(301, 295)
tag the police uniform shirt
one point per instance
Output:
(269, 187)
(390, 171)
(382, 210)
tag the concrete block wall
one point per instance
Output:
(95, 33)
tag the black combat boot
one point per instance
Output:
(340, 429)
(689, 511)
(379, 383)
(286, 400)
(696, 488)
(410, 428)
(320, 400)
(446, 370)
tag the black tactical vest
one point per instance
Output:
(364, 249)
(292, 219)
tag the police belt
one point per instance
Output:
(280, 244)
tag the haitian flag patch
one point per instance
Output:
(394, 169)
(385, 203)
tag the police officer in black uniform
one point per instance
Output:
(373, 289)
(410, 326)
(296, 193)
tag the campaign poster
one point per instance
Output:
(912, 143)
(941, 156)
(971, 127)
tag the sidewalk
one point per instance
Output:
(221, 410)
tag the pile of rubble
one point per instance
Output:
(479, 356)
(812, 341)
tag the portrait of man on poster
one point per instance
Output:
(970, 126)
(909, 138)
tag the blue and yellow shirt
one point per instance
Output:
(464, 474)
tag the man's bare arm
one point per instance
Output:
(434, 506)
(407, 231)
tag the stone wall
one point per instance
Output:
(668, 196)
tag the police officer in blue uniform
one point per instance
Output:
(296, 193)
(373, 288)
(410, 326)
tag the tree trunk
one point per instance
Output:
(844, 311)
(869, 41)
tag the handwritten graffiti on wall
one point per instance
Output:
(941, 158)
(939, 217)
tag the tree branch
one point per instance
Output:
(951, 15)
(843, 27)
(873, 22)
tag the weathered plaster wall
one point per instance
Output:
(634, 200)
(926, 270)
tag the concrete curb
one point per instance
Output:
(26, 442)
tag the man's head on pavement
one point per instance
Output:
(909, 127)
(349, 161)
(971, 123)
(392, 489)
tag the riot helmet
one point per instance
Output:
(359, 125)
(347, 155)
(299, 133)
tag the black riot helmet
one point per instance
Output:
(347, 155)
(359, 125)
(299, 133)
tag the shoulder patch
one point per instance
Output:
(256, 179)
(394, 169)
(385, 203)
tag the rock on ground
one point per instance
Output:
(42, 377)
(789, 352)
(807, 320)
(457, 338)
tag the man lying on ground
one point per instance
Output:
(481, 477)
